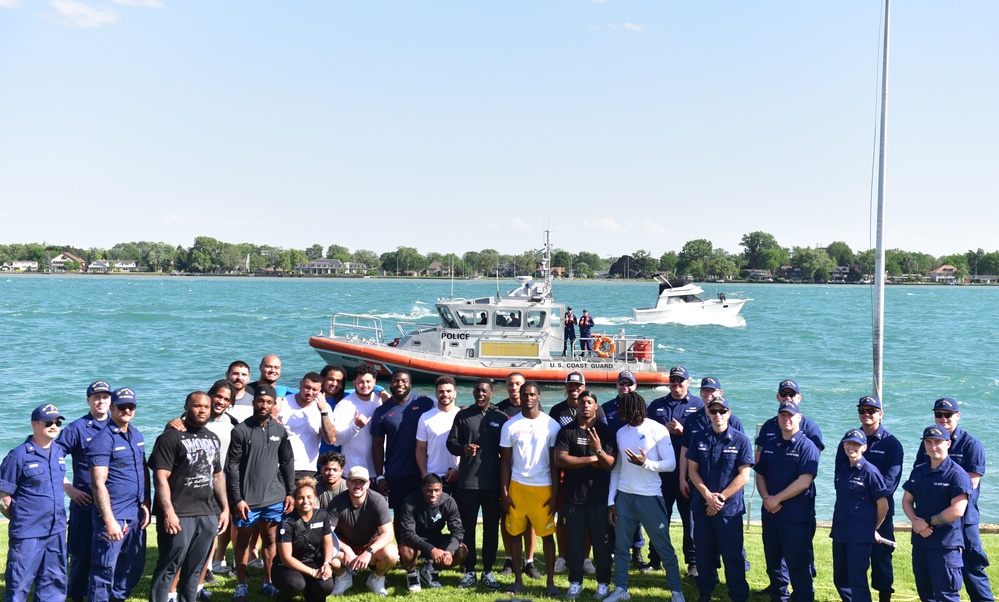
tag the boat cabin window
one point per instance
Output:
(472, 317)
(446, 317)
(508, 319)
(536, 319)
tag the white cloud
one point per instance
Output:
(141, 3)
(655, 229)
(635, 27)
(605, 224)
(519, 224)
(10, 4)
(79, 14)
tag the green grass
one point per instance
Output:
(641, 587)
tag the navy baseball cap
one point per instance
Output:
(98, 386)
(710, 382)
(627, 375)
(721, 401)
(679, 371)
(945, 404)
(855, 435)
(870, 400)
(788, 384)
(122, 396)
(575, 377)
(936, 432)
(789, 406)
(264, 389)
(45, 413)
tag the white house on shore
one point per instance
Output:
(19, 266)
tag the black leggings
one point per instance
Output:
(291, 583)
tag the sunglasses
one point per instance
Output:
(126, 407)
(787, 393)
(625, 383)
(944, 414)
(676, 380)
(719, 411)
(53, 422)
(867, 411)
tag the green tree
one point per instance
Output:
(989, 264)
(368, 258)
(561, 259)
(338, 252)
(72, 266)
(815, 264)
(693, 259)
(865, 260)
(667, 262)
(974, 258)
(756, 244)
(314, 252)
(840, 253)
(590, 259)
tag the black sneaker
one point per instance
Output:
(507, 568)
(531, 571)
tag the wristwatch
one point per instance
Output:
(369, 550)
(599, 451)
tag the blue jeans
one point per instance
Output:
(651, 512)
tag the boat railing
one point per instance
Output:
(617, 346)
(357, 326)
(415, 327)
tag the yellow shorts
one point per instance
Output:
(528, 504)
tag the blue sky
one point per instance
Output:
(451, 126)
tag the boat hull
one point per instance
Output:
(427, 367)
(689, 312)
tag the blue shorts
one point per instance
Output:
(272, 514)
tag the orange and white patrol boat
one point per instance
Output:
(490, 337)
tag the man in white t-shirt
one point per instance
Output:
(350, 420)
(528, 483)
(432, 455)
(306, 415)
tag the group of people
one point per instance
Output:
(315, 484)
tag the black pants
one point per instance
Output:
(186, 552)
(292, 583)
(469, 502)
(582, 520)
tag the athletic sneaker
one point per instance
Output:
(678, 596)
(507, 568)
(256, 564)
(618, 595)
(588, 567)
(268, 589)
(413, 582)
(560, 565)
(219, 568)
(203, 595)
(467, 580)
(575, 589)
(376, 584)
(342, 583)
(531, 571)
(489, 580)
(241, 593)
(430, 576)
(692, 570)
(210, 578)
(603, 590)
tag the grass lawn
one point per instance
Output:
(641, 587)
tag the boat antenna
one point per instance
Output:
(452, 277)
(879, 261)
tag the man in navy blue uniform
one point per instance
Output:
(861, 506)
(936, 499)
(785, 475)
(393, 441)
(120, 482)
(719, 462)
(788, 391)
(74, 440)
(31, 497)
(701, 421)
(885, 453)
(968, 453)
(671, 411)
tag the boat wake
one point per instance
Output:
(736, 321)
(417, 313)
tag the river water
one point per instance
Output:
(166, 336)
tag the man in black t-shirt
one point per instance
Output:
(187, 471)
(362, 522)
(586, 450)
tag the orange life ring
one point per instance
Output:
(603, 346)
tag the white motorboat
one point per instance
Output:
(489, 337)
(681, 302)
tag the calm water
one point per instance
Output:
(167, 336)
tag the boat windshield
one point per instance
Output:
(446, 317)
(472, 317)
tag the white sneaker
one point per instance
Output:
(220, 568)
(678, 596)
(588, 567)
(602, 590)
(575, 589)
(256, 564)
(376, 584)
(560, 565)
(618, 595)
(342, 583)
(413, 582)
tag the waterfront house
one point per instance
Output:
(319, 266)
(125, 265)
(99, 266)
(19, 266)
(945, 273)
(760, 276)
(58, 263)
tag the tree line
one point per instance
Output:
(698, 259)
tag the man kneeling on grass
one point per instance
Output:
(423, 517)
(362, 522)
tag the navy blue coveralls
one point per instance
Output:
(936, 560)
(968, 453)
(718, 458)
(787, 535)
(74, 440)
(885, 453)
(37, 553)
(116, 566)
(858, 489)
(663, 411)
